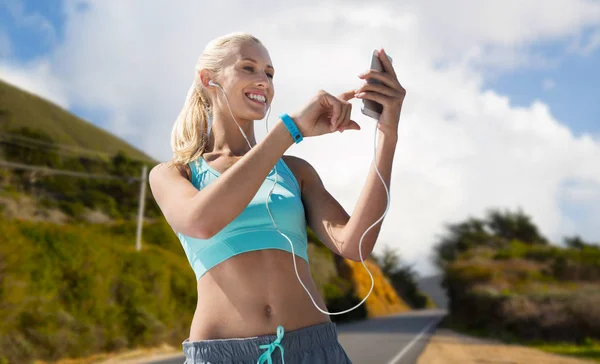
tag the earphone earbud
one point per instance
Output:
(212, 83)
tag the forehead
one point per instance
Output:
(253, 51)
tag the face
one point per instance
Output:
(247, 78)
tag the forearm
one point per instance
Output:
(372, 201)
(220, 202)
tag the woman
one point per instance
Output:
(213, 194)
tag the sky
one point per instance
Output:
(500, 109)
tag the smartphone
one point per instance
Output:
(372, 108)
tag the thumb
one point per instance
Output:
(348, 95)
(352, 126)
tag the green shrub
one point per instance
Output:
(73, 209)
(515, 249)
(74, 291)
(543, 254)
(48, 203)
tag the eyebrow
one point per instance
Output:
(253, 60)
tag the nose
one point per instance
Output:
(263, 81)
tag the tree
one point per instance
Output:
(459, 238)
(389, 260)
(514, 226)
(402, 277)
(495, 231)
(576, 242)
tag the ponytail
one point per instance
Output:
(189, 136)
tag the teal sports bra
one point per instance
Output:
(252, 229)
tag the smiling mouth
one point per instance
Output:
(257, 99)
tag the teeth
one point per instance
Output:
(256, 97)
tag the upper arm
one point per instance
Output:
(173, 193)
(324, 214)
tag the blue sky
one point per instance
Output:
(567, 85)
(574, 81)
(442, 170)
(28, 39)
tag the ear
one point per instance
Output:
(205, 76)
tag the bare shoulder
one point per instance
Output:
(304, 172)
(164, 170)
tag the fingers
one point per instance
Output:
(346, 120)
(337, 114)
(383, 77)
(348, 95)
(387, 65)
(348, 124)
(375, 96)
(340, 112)
(353, 125)
(382, 87)
(392, 92)
(346, 109)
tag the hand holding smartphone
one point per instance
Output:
(370, 107)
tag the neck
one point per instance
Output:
(226, 138)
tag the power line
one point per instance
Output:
(51, 171)
(143, 178)
(53, 145)
(37, 147)
(70, 148)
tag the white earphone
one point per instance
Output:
(212, 83)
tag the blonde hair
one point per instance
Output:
(189, 136)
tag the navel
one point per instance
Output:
(268, 310)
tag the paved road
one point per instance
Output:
(397, 339)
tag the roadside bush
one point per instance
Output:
(63, 293)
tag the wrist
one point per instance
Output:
(389, 131)
(296, 118)
(292, 128)
(282, 134)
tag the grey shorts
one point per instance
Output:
(309, 345)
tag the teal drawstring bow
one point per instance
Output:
(266, 356)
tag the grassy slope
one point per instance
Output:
(19, 108)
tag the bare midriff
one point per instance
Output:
(252, 293)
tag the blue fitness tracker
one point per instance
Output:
(291, 126)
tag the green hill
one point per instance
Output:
(104, 170)
(20, 109)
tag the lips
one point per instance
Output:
(256, 102)
(258, 93)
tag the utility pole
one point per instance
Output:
(140, 220)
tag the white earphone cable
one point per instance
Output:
(288, 239)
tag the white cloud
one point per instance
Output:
(589, 45)
(36, 77)
(593, 43)
(461, 150)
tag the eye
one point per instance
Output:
(252, 70)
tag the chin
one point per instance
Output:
(254, 115)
